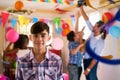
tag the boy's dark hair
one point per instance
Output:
(70, 36)
(39, 27)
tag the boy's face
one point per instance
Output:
(39, 40)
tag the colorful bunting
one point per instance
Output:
(4, 18)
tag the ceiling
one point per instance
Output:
(47, 9)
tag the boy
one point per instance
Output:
(39, 63)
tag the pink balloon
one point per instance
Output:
(57, 43)
(12, 36)
(8, 28)
(2, 77)
(65, 76)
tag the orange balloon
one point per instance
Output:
(65, 31)
(18, 5)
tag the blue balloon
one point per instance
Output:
(95, 56)
(114, 31)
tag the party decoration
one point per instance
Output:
(4, 18)
(111, 1)
(2, 77)
(115, 31)
(26, 21)
(14, 21)
(65, 76)
(94, 55)
(117, 16)
(42, 0)
(57, 25)
(89, 3)
(58, 30)
(12, 36)
(65, 31)
(8, 28)
(107, 16)
(42, 20)
(57, 43)
(35, 20)
(65, 25)
(18, 5)
(21, 20)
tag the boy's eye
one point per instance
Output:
(43, 35)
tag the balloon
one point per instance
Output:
(18, 5)
(65, 25)
(57, 43)
(107, 16)
(65, 76)
(12, 36)
(58, 30)
(65, 31)
(2, 77)
(115, 31)
(8, 28)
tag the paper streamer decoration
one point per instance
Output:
(117, 16)
(4, 18)
(57, 43)
(14, 21)
(97, 57)
(35, 20)
(21, 19)
(89, 3)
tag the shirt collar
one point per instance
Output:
(31, 56)
(98, 37)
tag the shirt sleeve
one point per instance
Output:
(99, 48)
(60, 70)
(18, 74)
(90, 26)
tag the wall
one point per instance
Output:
(2, 42)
